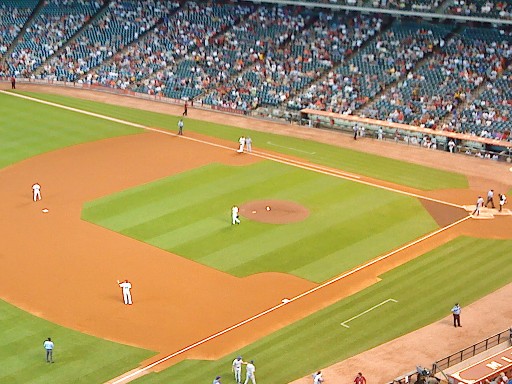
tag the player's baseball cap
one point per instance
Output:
(217, 378)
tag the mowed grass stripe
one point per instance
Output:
(346, 223)
(28, 129)
(295, 240)
(154, 204)
(78, 357)
(342, 158)
(193, 230)
(426, 288)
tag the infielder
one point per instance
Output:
(36, 189)
(503, 200)
(317, 378)
(234, 215)
(479, 204)
(241, 141)
(236, 368)
(127, 295)
(250, 372)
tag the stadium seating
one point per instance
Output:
(123, 22)
(13, 15)
(446, 80)
(48, 31)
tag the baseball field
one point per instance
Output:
(354, 250)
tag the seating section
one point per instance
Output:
(201, 57)
(428, 95)
(13, 15)
(484, 8)
(48, 32)
(290, 65)
(385, 60)
(247, 56)
(123, 22)
(490, 114)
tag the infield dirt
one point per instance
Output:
(73, 251)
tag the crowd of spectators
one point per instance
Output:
(122, 22)
(263, 53)
(486, 8)
(389, 57)
(430, 95)
(243, 56)
(13, 15)
(48, 32)
(207, 56)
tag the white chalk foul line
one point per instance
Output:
(290, 148)
(267, 156)
(368, 310)
(276, 158)
(285, 302)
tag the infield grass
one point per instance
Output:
(190, 214)
(79, 358)
(425, 288)
(342, 158)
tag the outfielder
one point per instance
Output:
(36, 189)
(236, 368)
(234, 215)
(250, 372)
(127, 295)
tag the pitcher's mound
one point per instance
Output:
(278, 211)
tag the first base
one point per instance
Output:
(45, 210)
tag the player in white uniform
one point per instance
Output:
(234, 215)
(237, 369)
(241, 141)
(503, 200)
(127, 295)
(317, 378)
(36, 189)
(250, 372)
(479, 204)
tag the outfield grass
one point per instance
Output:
(349, 160)
(79, 358)
(28, 129)
(425, 289)
(189, 214)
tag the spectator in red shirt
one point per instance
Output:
(360, 379)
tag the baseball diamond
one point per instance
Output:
(156, 185)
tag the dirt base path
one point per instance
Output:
(84, 260)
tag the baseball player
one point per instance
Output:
(250, 372)
(317, 378)
(127, 295)
(503, 200)
(479, 204)
(248, 144)
(216, 380)
(234, 215)
(36, 190)
(236, 368)
(48, 346)
(180, 127)
(241, 141)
